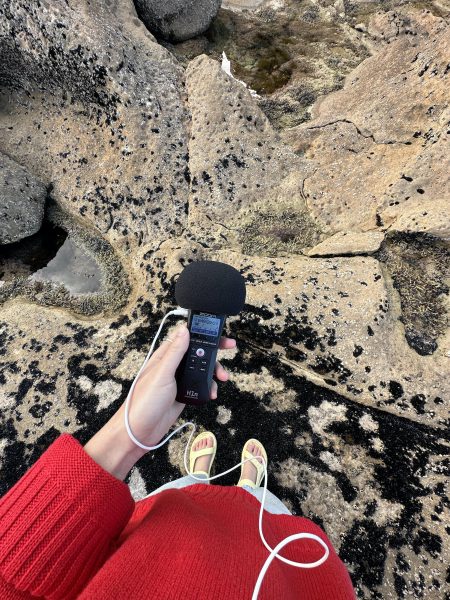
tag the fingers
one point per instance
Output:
(220, 372)
(160, 351)
(221, 375)
(213, 392)
(227, 343)
(174, 352)
(157, 355)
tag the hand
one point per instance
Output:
(152, 408)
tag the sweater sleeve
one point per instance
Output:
(59, 522)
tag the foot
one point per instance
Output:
(202, 463)
(249, 471)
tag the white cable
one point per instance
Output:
(273, 551)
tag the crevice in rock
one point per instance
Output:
(370, 136)
(304, 194)
(222, 224)
(31, 254)
(345, 255)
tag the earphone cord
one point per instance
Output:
(273, 551)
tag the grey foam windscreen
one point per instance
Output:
(211, 286)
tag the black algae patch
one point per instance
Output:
(371, 542)
(398, 466)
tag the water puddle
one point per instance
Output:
(73, 268)
(50, 256)
(26, 256)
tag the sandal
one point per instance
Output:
(255, 462)
(194, 454)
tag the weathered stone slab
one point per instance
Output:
(348, 243)
(379, 147)
(398, 92)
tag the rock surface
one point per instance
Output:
(341, 358)
(245, 185)
(289, 52)
(22, 200)
(348, 243)
(177, 20)
(381, 142)
(113, 139)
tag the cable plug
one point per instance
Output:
(182, 312)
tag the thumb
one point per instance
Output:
(175, 352)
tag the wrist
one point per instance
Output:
(112, 448)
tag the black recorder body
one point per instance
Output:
(197, 367)
(211, 291)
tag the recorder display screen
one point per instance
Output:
(205, 325)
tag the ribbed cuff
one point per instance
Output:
(58, 521)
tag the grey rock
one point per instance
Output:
(177, 20)
(22, 199)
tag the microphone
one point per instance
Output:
(211, 291)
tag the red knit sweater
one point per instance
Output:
(69, 529)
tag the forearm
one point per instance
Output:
(112, 449)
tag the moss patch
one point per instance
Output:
(419, 265)
(288, 56)
(277, 234)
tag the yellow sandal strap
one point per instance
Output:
(203, 452)
(255, 462)
(194, 454)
